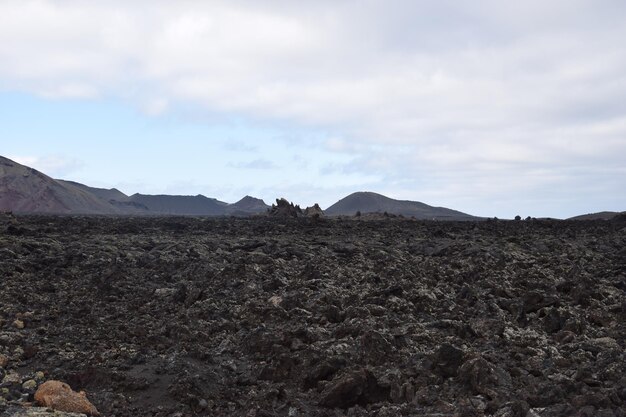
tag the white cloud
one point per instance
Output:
(55, 166)
(155, 107)
(262, 164)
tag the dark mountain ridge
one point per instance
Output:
(25, 190)
(186, 205)
(247, 205)
(369, 202)
(602, 215)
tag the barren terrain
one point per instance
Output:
(316, 317)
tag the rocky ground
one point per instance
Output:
(316, 317)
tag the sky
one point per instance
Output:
(492, 108)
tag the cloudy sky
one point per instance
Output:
(489, 107)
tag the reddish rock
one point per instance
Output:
(59, 396)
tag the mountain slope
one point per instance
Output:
(246, 206)
(174, 204)
(368, 202)
(120, 201)
(103, 193)
(26, 190)
(183, 205)
(602, 215)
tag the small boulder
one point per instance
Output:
(488, 328)
(357, 387)
(553, 321)
(29, 385)
(514, 409)
(485, 378)
(447, 360)
(535, 300)
(12, 377)
(323, 370)
(375, 347)
(59, 396)
(606, 343)
(275, 300)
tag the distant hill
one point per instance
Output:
(120, 201)
(103, 193)
(602, 215)
(26, 190)
(185, 205)
(247, 205)
(199, 205)
(368, 202)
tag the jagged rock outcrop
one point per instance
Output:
(284, 208)
(314, 211)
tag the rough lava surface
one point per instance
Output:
(278, 316)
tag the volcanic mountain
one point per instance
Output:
(368, 202)
(26, 190)
(602, 215)
(187, 205)
(247, 205)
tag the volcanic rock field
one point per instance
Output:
(260, 317)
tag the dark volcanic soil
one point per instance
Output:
(314, 317)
